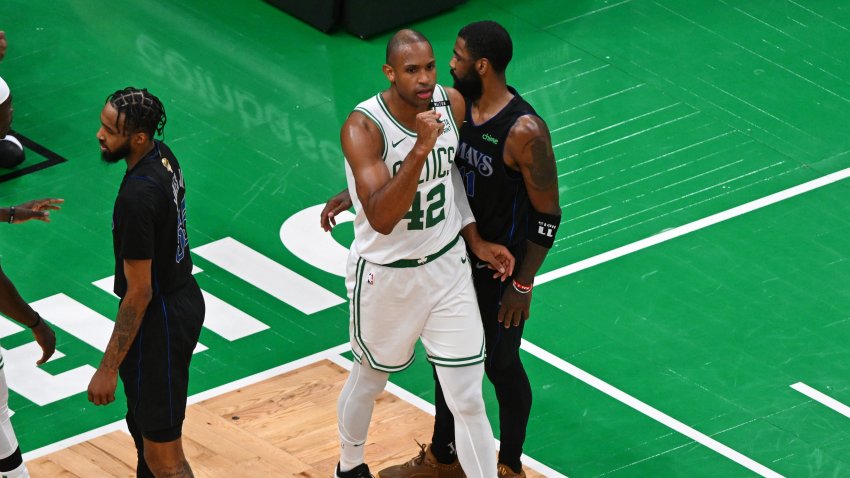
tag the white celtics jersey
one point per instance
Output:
(433, 219)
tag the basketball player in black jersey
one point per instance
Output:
(161, 309)
(506, 160)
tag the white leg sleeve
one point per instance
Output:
(354, 411)
(476, 448)
(11, 464)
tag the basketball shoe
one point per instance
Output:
(424, 465)
(359, 471)
(506, 472)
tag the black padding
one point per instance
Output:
(321, 14)
(367, 18)
(10, 154)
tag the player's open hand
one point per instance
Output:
(36, 209)
(102, 386)
(498, 258)
(334, 206)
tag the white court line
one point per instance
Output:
(331, 354)
(76, 440)
(822, 398)
(647, 410)
(691, 227)
(541, 279)
(426, 407)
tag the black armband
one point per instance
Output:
(543, 228)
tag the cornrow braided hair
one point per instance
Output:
(141, 109)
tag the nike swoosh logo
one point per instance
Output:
(481, 265)
(399, 142)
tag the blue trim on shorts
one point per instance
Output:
(140, 338)
(167, 349)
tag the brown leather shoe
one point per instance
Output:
(507, 472)
(424, 465)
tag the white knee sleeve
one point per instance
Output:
(354, 411)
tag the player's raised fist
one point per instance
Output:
(428, 128)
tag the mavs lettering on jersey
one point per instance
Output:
(476, 159)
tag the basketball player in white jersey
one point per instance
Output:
(13, 306)
(408, 275)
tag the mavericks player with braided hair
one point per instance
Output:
(161, 310)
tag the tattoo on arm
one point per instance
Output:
(126, 326)
(544, 173)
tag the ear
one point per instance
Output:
(389, 73)
(140, 138)
(482, 66)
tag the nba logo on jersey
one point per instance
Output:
(371, 279)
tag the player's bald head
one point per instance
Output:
(401, 41)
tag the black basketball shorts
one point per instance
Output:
(155, 372)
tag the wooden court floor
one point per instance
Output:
(283, 426)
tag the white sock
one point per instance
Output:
(354, 411)
(476, 448)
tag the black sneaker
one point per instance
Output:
(359, 471)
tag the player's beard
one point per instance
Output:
(117, 155)
(469, 85)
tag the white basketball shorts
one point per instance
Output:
(431, 299)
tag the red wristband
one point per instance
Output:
(522, 289)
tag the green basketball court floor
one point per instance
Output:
(692, 319)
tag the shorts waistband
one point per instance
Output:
(402, 263)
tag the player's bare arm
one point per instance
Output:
(342, 200)
(130, 313)
(386, 199)
(13, 305)
(529, 150)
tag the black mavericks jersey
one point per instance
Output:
(496, 193)
(149, 222)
